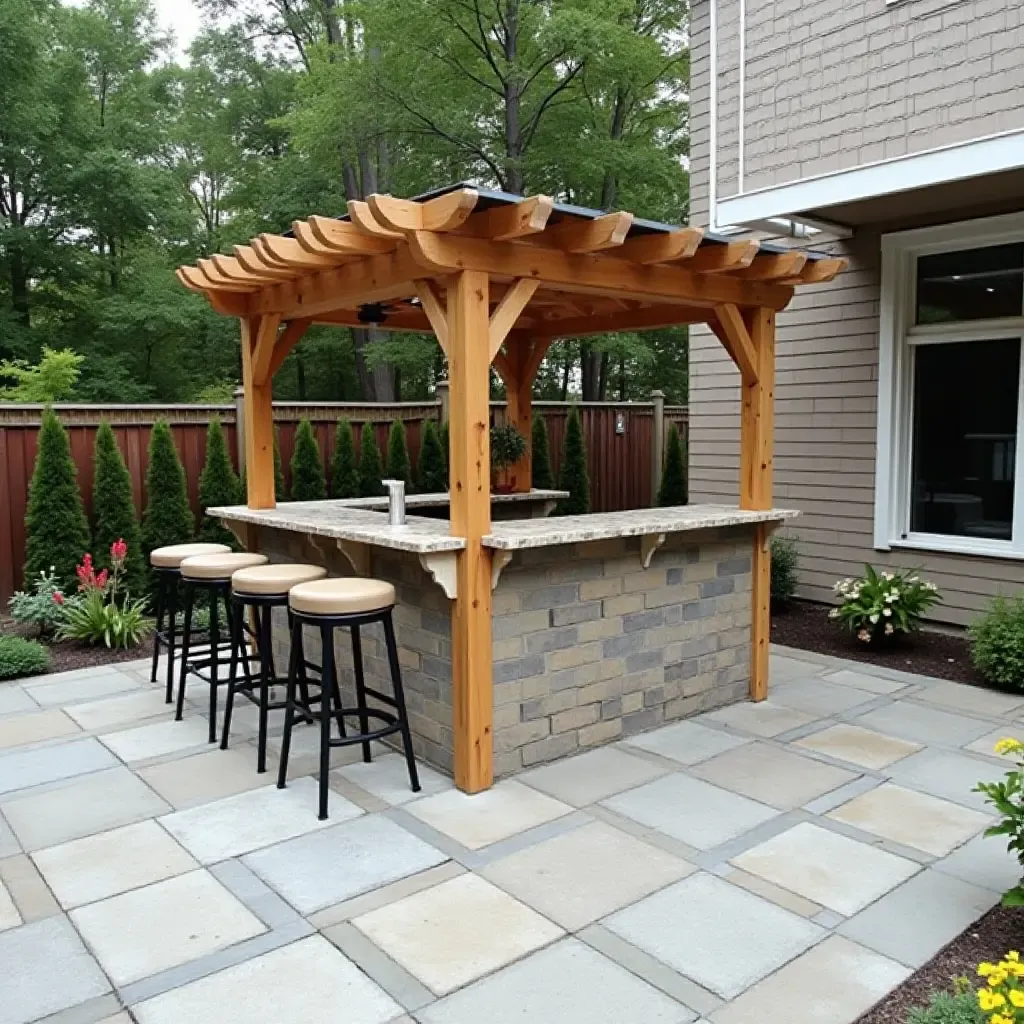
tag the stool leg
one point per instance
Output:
(266, 674)
(403, 715)
(237, 639)
(172, 631)
(357, 662)
(289, 711)
(214, 593)
(186, 643)
(159, 609)
(303, 681)
(327, 660)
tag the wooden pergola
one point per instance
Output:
(497, 278)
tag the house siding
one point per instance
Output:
(831, 86)
(827, 340)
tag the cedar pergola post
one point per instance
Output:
(497, 278)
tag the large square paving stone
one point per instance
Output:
(249, 821)
(859, 746)
(866, 681)
(972, 699)
(947, 775)
(203, 778)
(763, 719)
(833, 870)
(112, 711)
(716, 934)
(157, 739)
(783, 667)
(343, 861)
(911, 818)
(387, 778)
(306, 981)
(21, 769)
(984, 861)
(104, 865)
(9, 916)
(691, 810)
(687, 742)
(73, 686)
(484, 818)
(836, 981)
(592, 776)
(14, 699)
(96, 803)
(569, 983)
(585, 874)
(817, 697)
(776, 777)
(923, 724)
(44, 968)
(456, 932)
(21, 730)
(146, 931)
(912, 923)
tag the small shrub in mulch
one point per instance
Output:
(20, 657)
(997, 643)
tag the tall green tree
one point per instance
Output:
(673, 478)
(431, 472)
(56, 530)
(218, 486)
(308, 480)
(543, 478)
(574, 476)
(113, 510)
(399, 467)
(371, 471)
(168, 518)
(344, 469)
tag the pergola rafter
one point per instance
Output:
(498, 278)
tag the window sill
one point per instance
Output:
(958, 546)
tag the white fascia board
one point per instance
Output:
(1003, 152)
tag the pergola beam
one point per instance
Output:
(445, 213)
(662, 248)
(518, 220)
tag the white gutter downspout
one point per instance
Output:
(743, 95)
(713, 120)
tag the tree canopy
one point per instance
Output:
(118, 163)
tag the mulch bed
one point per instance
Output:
(990, 938)
(67, 656)
(806, 625)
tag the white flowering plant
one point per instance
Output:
(882, 604)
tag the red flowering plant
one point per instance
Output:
(41, 604)
(99, 614)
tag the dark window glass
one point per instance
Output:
(973, 284)
(965, 438)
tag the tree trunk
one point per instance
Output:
(591, 365)
(300, 375)
(514, 176)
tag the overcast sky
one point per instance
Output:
(181, 17)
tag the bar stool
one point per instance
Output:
(211, 573)
(262, 588)
(166, 563)
(333, 604)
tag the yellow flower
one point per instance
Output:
(1016, 997)
(985, 969)
(989, 1000)
(1013, 955)
(1009, 746)
(998, 1018)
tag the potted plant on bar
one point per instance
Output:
(508, 446)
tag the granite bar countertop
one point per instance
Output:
(442, 499)
(340, 520)
(516, 534)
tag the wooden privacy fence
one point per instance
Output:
(624, 443)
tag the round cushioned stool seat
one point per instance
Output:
(348, 596)
(219, 567)
(171, 557)
(268, 580)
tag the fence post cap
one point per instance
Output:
(657, 394)
(239, 391)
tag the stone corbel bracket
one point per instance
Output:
(441, 566)
(499, 559)
(358, 556)
(649, 543)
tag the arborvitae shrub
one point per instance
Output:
(431, 472)
(399, 467)
(113, 511)
(344, 470)
(218, 486)
(371, 471)
(280, 487)
(673, 477)
(308, 480)
(543, 478)
(168, 518)
(574, 477)
(57, 531)
(446, 451)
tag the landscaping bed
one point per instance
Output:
(806, 625)
(66, 655)
(988, 939)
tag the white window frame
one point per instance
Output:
(897, 340)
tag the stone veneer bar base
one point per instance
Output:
(588, 645)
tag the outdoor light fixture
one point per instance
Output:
(620, 423)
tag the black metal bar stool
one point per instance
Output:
(328, 605)
(211, 573)
(261, 588)
(166, 563)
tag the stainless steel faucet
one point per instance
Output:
(396, 501)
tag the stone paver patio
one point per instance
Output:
(768, 863)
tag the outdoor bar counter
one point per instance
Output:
(602, 625)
